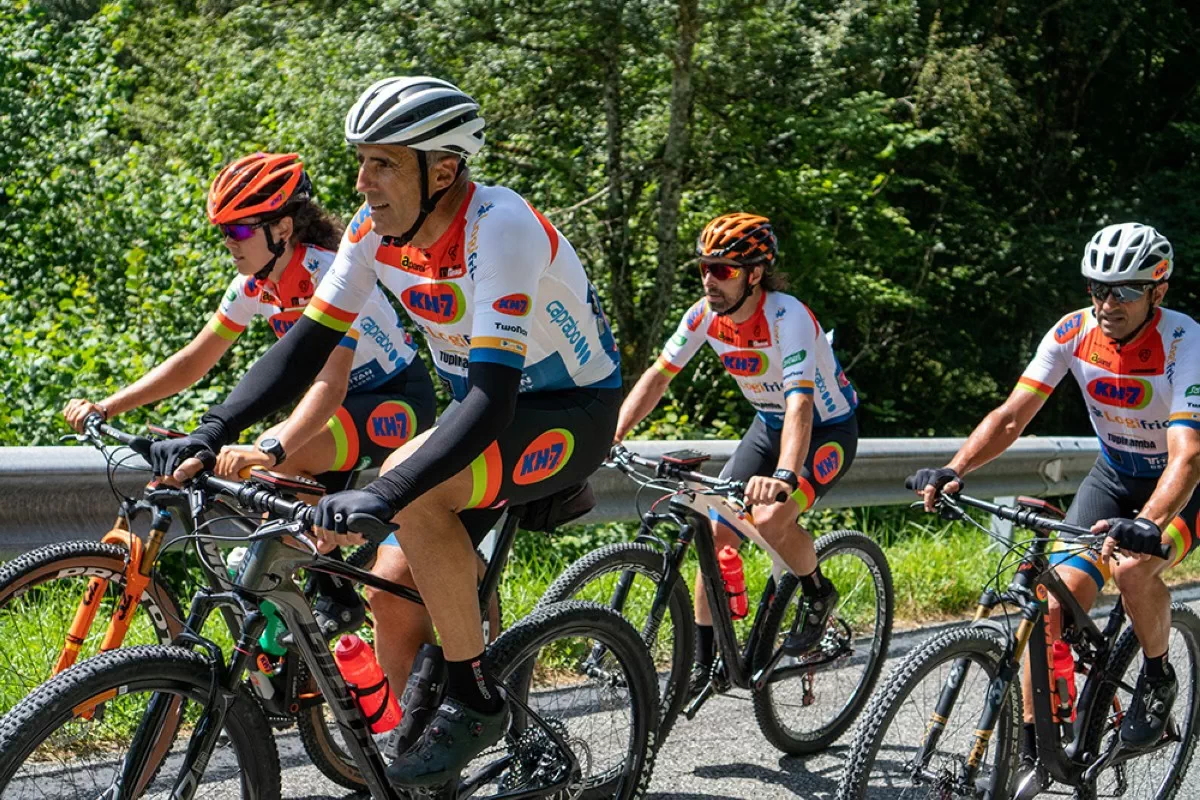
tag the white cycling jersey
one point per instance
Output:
(501, 285)
(1134, 391)
(382, 348)
(778, 351)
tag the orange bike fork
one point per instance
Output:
(85, 615)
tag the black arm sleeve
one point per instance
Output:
(461, 435)
(283, 374)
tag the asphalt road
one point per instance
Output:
(719, 754)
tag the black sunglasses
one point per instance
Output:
(1124, 292)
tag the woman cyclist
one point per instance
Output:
(372, 395)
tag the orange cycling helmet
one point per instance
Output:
(744, 238)
(261, 184)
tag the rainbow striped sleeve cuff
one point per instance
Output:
(350, 339)
(498, 350)
(1189, 419)
(666, 367)
(1042, 390)
(329, 315)
(224, 327)
(792, 387)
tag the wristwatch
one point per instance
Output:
(274, 448)
(787, 476)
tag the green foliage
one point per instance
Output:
(932, 170)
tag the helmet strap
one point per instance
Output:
(276, 249)
(428, 202)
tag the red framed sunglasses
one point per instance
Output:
(721, 272)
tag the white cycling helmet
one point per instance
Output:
(419, 112)
(1128, 252)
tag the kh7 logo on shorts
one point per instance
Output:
(544, 457)
(390, 424)
(437, 302)
(1132, 393)
(1069, 328)
(827, 462)
(745, 363)
(515, 305)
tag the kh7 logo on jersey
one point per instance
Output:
(361, 225)
(745, 363)
(515, 305)
(1132, 393)
(1069, 328)
(545, 456)
(436, 302)
(694, 315)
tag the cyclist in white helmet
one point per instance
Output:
(517, 336)
(1138, 365)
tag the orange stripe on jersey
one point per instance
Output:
(333, 311)
(550, 232)
(1040, 389)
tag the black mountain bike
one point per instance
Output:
(947, 722)
(179, 721)
(802, 703)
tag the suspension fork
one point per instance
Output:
(936, 724)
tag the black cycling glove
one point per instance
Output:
(1136, 535)
(334, 510)
(937, 478)
(168, 454)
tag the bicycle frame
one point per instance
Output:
(1034, 582)
(265, 574)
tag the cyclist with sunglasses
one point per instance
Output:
(371, 395)
(517, 335)
(1138, 365)
(804, 435)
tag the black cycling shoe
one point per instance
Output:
(814, 619)
(1151, 707)
(1032, 779)
(454, 736)
(422, 695)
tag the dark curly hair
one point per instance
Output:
(312, 224)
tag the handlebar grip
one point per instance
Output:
(370, 527)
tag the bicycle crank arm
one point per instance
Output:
(1111, 752)
(693, 707)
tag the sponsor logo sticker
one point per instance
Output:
(544, 457)
(1069, 328)
(515, 305)
(1192, 390)
(745, 363)
(795, 358)
(437, 302)
(390, 424)
(361, 225)
(1123, 392)
(827, 462)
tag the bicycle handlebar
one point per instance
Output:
(621, 457)
(248, 494)
(1027, 518)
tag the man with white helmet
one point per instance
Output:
(1138, 365)
(517, 336)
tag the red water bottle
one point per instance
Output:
(735, 581)
(367, 683)
(1064, 682)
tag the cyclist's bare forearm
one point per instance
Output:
(797, 432)
(319, 403)
(996, 432)
(1179, 479)
(181, 370)
(642, 399)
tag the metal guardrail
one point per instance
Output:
(51, 494)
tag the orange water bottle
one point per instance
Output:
(367, 683)
(735, 581)
(1064, 682)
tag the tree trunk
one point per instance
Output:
(656, 306)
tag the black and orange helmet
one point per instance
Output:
(260, 184)
(744, 238)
